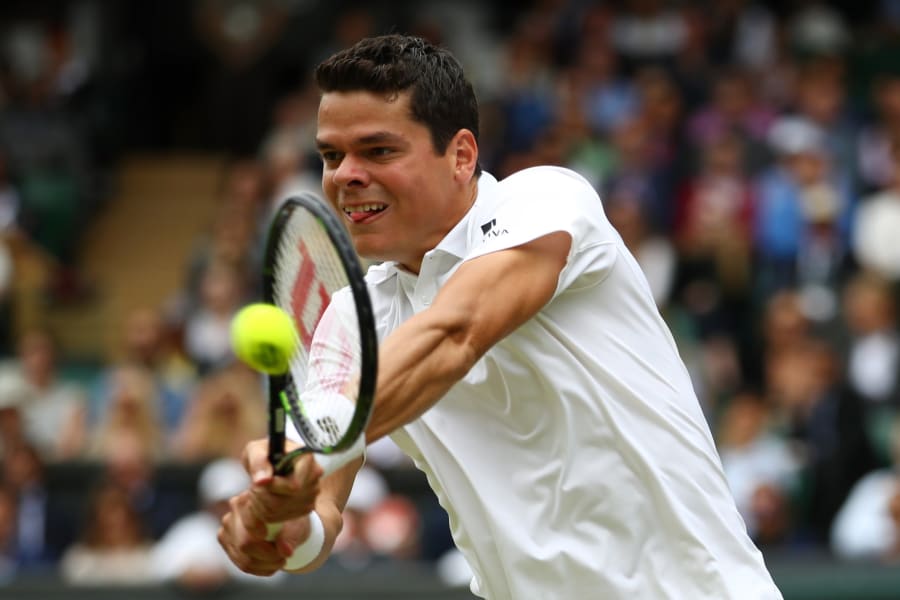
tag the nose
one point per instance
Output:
(350, 173)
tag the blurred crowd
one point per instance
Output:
(747, 152)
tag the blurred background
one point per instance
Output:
(747, 151)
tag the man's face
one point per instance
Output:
(380, 171)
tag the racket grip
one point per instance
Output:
(306, 552)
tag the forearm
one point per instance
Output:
(419, 363)
(485, 300)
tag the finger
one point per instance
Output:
(251, 513)
(306, 473)
(256, 461)
(292, 534)
(255, 563)
(275, 508)
(246, 551)
(301, 484)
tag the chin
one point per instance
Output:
(371, 251)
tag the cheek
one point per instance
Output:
(328, 186)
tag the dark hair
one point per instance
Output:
(441, 97)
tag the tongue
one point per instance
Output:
(361, 215)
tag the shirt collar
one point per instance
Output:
(456, 242)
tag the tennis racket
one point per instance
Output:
(312, 272)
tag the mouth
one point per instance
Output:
(362, 213)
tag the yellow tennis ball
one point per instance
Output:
(263, 336)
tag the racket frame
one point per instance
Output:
(282, 389)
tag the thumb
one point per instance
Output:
(307, 471)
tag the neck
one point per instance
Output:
(468, 194)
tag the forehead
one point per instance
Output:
(359, 113)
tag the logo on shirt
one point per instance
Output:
(490, 229)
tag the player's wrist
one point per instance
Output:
(307, 551)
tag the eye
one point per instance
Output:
(330, 156)
(380, 151)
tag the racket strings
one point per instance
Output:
(326, 416)
(308, 272)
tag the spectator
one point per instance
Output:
(131, 410)
(147, 343)
(761, 468)
(242, 41)
(379, 525)
(9, 552)
(10, 236)
(13, 393)
(43, 525)
(743, 33)
(188, 553)
(528, 99)
(55, 411)
(820, 96)
(784, 323)
(608, 97)
(226, 411)
(223, 254)
(872, 356)
(289, 169)
(817, 29)
(824, 423)
(207, 336)
(649, 31)
(867, 527)
(10, 201)
(878, 220)
(48, 155)
(803, 218)
(878, 139)
(288, 152)
(662, 107)
(654, 252)
(714, 226)
(134, 469)
(114, 548)
(734, 110)
(635, 173)
(393, 528)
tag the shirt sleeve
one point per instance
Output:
(544, 200)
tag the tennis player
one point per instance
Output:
(524, 365)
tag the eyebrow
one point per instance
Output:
(379, 137)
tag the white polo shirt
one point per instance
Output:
(573, 459)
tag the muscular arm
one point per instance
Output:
(486, 299)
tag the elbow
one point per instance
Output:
(467, 346)
(467, 354)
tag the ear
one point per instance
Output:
(463, 150)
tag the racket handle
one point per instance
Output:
(306, 552)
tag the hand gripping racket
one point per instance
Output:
(312, 272)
